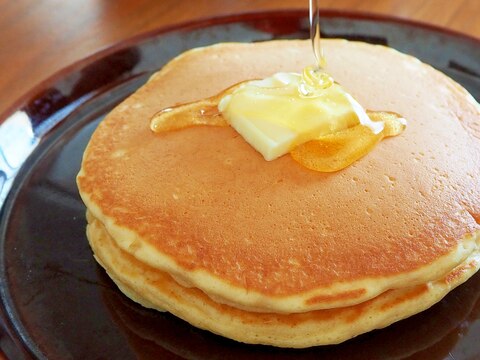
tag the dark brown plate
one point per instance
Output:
(58, 303)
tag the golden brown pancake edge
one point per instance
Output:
(420, 200)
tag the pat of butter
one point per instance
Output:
(274, 117)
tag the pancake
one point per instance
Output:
(154, 289)
(204, 207)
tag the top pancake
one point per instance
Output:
(204, 206)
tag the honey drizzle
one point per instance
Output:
(338, 150)
(203, 112)
(327, 153)
(314, 78)
(315, 35)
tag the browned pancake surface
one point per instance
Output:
(156, 289)
(209, 201)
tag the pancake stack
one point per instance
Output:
(195, 222)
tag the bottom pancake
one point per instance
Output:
(155, 289)
(429, 334)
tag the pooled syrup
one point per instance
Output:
(203, 112)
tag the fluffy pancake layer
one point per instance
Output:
(204, 207)
(155, 289)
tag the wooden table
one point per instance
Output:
(38, 38)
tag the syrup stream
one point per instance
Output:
(315, 34)
(327, 153)
(315, 79)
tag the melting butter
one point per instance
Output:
(323, 130)
(277, 114)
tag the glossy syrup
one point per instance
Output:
(327, 153)
(315, 77)
(315, 35)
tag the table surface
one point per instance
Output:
(38, 38)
